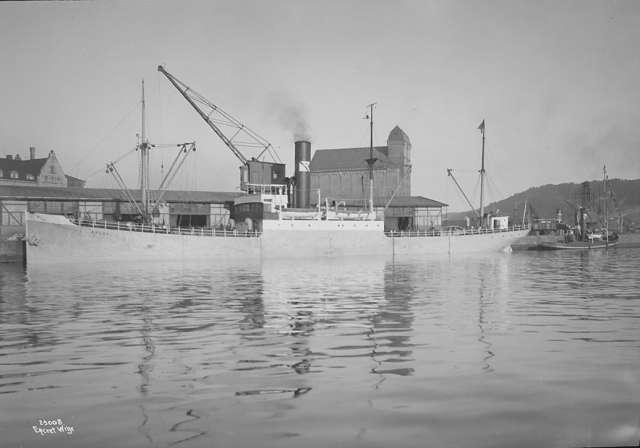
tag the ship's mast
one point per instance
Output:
(371, 160)
(606, 218)
(481, 127)
(144, 163)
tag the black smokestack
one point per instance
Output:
(302, 193)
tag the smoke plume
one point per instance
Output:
(290, 114)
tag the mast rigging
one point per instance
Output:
(183, 152)
(144, 147)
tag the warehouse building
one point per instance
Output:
(39, 185)
(342, 178)
(343, 174)
(178, 208)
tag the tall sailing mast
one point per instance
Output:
(371, 160)
(482, 172)
(144, 163)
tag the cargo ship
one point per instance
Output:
(274, 218)
(55, 239)
(272, 221)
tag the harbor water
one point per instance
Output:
(506, 349)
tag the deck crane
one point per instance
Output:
(253, 171)
(148, 206)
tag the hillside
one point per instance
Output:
(544, 201)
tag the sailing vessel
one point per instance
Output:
(582, 238)
(279, 221)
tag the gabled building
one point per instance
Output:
(41, 172)
(343, 174)
(342, 177)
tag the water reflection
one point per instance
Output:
(492, 290)
(393, 319)
(145, 366)
(367, 302)
(484, 302)
(485, 351)
(252, 306)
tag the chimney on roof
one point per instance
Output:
(18, 157)
(32, 152)
(9, 157)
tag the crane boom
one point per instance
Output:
(215, 117)
(111, 168)
(183, 152)
(450, 173)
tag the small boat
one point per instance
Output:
(577, 245)
(579, 238)
(591, 241)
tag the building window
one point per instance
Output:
(30, 177)
(52, 169)
(14, 175)
(1, 173)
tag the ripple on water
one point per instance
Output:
(529, 348)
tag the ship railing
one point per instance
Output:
(452, 231)
(151, 228)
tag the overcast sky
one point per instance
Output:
(557, 82)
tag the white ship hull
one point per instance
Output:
(54, 239)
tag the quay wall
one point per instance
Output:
(11, 244)
(11, 251)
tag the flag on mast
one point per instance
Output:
(481, 127)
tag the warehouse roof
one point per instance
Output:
(349, 159)
(74, 181)
(352, 159)
(108, 194)
(416, 201)
(399, 201)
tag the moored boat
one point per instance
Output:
(577, 245)
(582, 236)
(56, 239)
